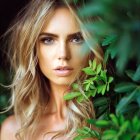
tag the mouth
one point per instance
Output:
(63, 71)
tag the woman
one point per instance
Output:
(47, 56)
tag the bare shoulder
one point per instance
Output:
(9, 128)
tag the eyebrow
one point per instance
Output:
(55, 35)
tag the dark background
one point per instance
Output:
(8, 11)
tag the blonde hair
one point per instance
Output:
(28, 84)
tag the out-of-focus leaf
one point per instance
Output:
(91, 8)
(102, 123)
(109, 39)
(126, 137)
(114, 119)
(75, 86)
(130, 73)
(125, 87)
(123, 51)
(109, 135)
(112, 50)
(136, 124)
(124, 127)
(101, 101)
(126, 100)
(80, 98)
(136, 76)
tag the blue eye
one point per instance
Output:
(47, 40)
(77, 39)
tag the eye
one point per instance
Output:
(77, 39)
(47, 40)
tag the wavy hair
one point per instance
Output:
(28, 100)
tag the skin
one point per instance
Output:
(64, 47)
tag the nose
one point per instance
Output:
(63, 52)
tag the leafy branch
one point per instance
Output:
(98, 82)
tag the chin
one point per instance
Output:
(63, 81)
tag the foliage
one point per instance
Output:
(119, 128)
(97, 83)
(4, 96)
(118, 32)
(117, 105)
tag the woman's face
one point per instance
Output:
(60, 48)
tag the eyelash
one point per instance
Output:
(47, 40)
(77, 39)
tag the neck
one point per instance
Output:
(57, 104)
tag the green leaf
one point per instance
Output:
(136, 124)
(101, 101)
(124, 127)
(71, 95)
(87, 86)
(107, 87)
(75, 1)
(91, 121)
(138, 99)
(99, 67)
(94, 64)
(93, 93)
(91, 8)
(95, 134)
(102, 109)
(90, 63)
(88, 71)
(126, 136)
(124, 48)
(82, 137)
(80, 98)
(112, 50)
(102, 123)
(103, 75)
(130, 73)
(126, 100)
(136, 76)
(75, 86)
(109, 135)
(110, 79)
(101, 89)
(83, 131)
(133, 108)
(125, 87)
(106, 56)
(121, 119)
(137, 137)
(114, 119)
(109, 39)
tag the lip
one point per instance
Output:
(63, 71)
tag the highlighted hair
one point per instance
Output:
(29, 84)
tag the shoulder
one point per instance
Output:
(9, 128)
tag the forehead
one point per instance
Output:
(62, 20)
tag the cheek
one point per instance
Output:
(43, 54)
(43, 59)
(80, 57)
